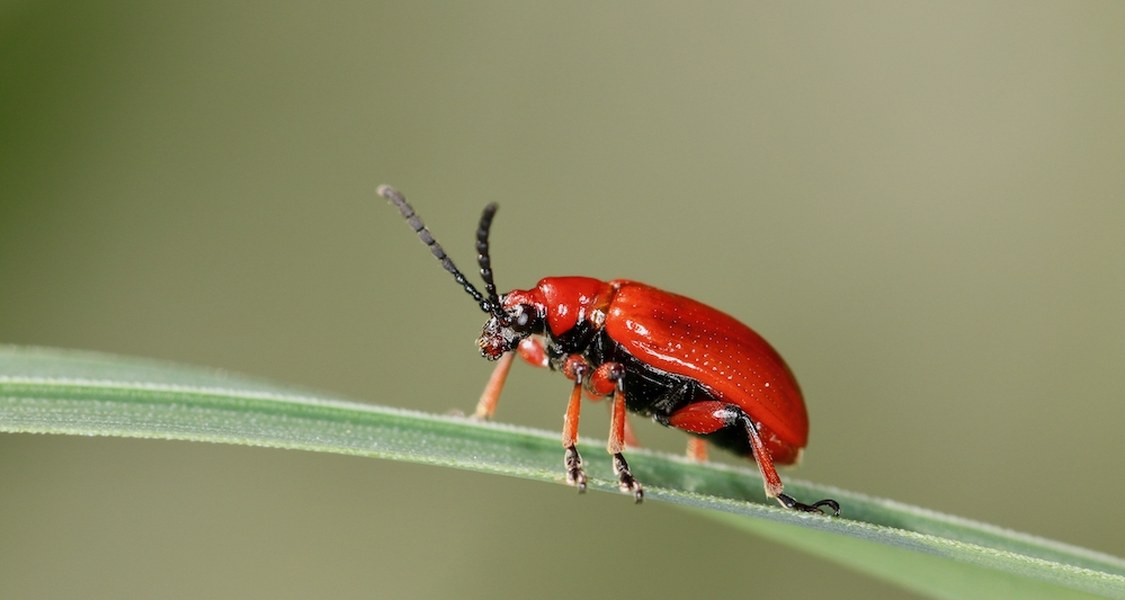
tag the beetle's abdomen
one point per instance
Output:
(730, 361)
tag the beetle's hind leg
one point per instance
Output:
(711, 416)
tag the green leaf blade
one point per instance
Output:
(60, 392)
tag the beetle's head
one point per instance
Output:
(521, 315)
(515, 317)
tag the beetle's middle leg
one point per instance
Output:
(610, 378)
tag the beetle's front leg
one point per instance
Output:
(531, 351)
(610, 377)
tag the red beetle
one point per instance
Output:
(659, 354)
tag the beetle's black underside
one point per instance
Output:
(649, 391)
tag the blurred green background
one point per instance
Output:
(922, 206)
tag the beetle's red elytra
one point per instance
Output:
(654, 353)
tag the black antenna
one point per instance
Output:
(396, 198)
(483, 259)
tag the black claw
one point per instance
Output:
(791, 503)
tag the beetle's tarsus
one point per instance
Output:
(625, 480)
(575, 474)
(791, 503)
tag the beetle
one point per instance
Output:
(682, 363)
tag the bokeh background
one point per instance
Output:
(922, 206)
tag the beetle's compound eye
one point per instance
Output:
(525, 319)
